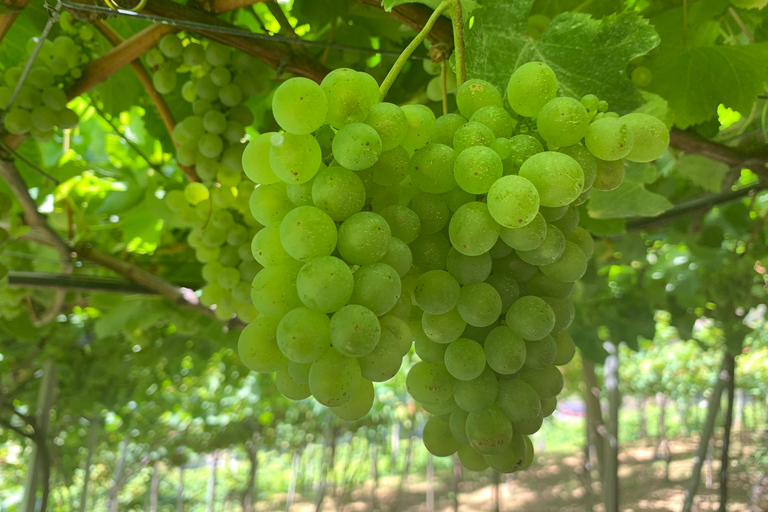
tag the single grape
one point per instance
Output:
(457, 422)
(403, 222)
(359, 405)
(519, 400)
(504, 350)
(421, 126)
(432, 211)
(641, 77)
(334, 379)
(477, 168)
(257, 346)
(436, 292)
(339, 192)
(398, 256)
(431, 168)
(391, 167)
(489, 430)
(476, 394)
(585, 159)
(384, 361)
(512, 458)
(472, 134)
(299, 105)
(465, 359)
(446, 126)
(308, 232)
(164, 80)
(651, 137)
(304, 334)
(471, 459)
(531, 318)
(540, 353)
(256, 160)
(564, 312)
(473, 230)
(269, 203)
(357, 146)
(544, 286)
(364, 238)
(562, 122)
(350, 95)
(324, 283)
(475, 94)
(274, 290)
(429, 383)
(171, 46)
(513, 201)
(468, 269)
(609, 175)
(377, 287)
(506, 285)
(479, 304)
(430, 252)
(609, 138)
(427, 349)
(530, 87)
(355, 330)
(557, 177)
(528, 237)
(390, 123)
(495, 118)
(547, 382)
(294, 158)
(438, 439)
(289, 388)
(583, 239)
(443, 328)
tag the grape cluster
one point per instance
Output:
(11, 299)
(41, 105)
(389, 226)
(217, 82)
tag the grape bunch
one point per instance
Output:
(385, 227)
(41, 105)
(11, 299)
(217, 83)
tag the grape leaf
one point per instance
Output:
(703, 171)
(587, 55)
(630, 199)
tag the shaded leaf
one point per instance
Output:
(703, 171)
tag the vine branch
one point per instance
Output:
(7, 19)
(416, 16)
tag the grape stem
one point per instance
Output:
(457, 18)
(405, 55)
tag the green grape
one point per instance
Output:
(475, 94)
(299, 105)
(391, 167)
(402, 333)
(489, 430)
(355, 330)
(431, 168)
(566, 349)
(206, 89)
(441, 410)
(540, 353)
(334, 378)
(201, 106)
(548, 406)
(171, 46)
(384, 361)
(364, 238)
(257, 346)
(357, 146)
(641, 77)
(457, 422)
(308, 232)
(430, 252)
(472, 134)
(477, 168)
(230, 95)
(531, 318)
(359, 405)
(543, 286)
(398, 256)
(269, 204)
(214, 122)
(468, 269)
(537, 24)
(570, 267)
(526, 238)
(446, 126)
(564, 312)
(438, 439)
(432, 211)
(289, 388)
(513, 201)
(590, 102)
(495, 118)
(274, 290)
(429, 383)
(390, 123)
(530, 87)
(229, 277)
(586, 161)
(187, 153)
(479, 304)
(428, 350)
(609, 175)
(436, 292)
(17, 121)
(519, 400)
(443, 328)
(529, 427)
(193, 54)
(435, 89)
(507, 286)
(304, 334)
(403, 222)
(471, 459)
(504, 350)
(523, 147)
(324, 283)
(421, 126)
(547, 382)
(553, 214)
(350, 94)
(221, 76)
(473, 230)
(512, 458)
(549, 251)
(256, 160)
(476, 394)
(377, 287)
(651, 137)
(609, 138)
(54, 98)
(503, 147)
(465, 359)
(164, 80)
(301, 194)
(568, 222)
(562, 122)
(557, 177)
(195, 193)
(383, 197)
(210, 145)
(583, 239)
(40, 77)
(294, 158)
(339, 192)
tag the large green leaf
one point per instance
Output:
(587, 55)
(703, 171)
